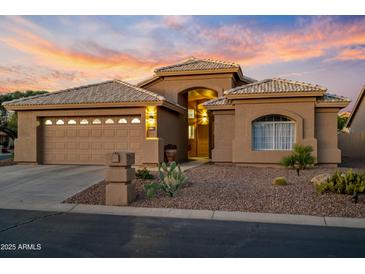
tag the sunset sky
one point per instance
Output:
(56, 52)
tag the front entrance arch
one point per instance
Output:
(199, 133)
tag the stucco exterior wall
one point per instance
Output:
(326, 134)
(25, 146)
(316, 127)
(171, 86)
(300, 111)
(27, 143)
(172, 129)
(358, 122)
(223, 134)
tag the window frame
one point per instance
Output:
(274, 138)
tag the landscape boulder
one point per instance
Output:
(320, 179)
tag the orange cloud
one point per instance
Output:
(231, 42)
(351, 54)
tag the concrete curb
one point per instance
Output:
(195, 214)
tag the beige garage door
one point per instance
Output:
(86, 140)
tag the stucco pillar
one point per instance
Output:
(25, 146)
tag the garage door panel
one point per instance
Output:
(83, 133)
(72, 158)
(71, 133)
(108, 132)
(84, 146)
(60, 132)
(88, 143)
(96, 133)
(72, 145)
(122, 132)
(60, 145)
(121, 146)
(108, 146)
(97, 146)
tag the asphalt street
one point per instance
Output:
(49, 234)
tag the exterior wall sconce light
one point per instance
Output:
(151, 121)
(203, 117)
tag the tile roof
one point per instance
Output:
(114, 91)
(198, 64)
(220, 101)
(329, 97)
(275, 85)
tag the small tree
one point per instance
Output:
(341, 122)
(300, 159)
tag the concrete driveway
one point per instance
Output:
(43, 185)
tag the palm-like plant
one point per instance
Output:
(300, 159)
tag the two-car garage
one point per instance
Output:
(86, 140)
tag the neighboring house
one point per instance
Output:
(207, 108)
(352, 141)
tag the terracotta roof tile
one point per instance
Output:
(328, 97)
(106, 92)
(275, 85)
(198, 64)
(220, 101)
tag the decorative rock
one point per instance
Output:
(320, 179)
(279, 181)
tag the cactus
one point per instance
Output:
(350, 183)
(171, 179)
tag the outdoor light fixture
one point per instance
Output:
(151, 118)
(203, 117)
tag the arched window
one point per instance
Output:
(84, 122)
(109, 121)
(96, 122)
(60, 122)
(273, 132)
(136, 120)
(122, 121)
(48, 122)
(71, 122)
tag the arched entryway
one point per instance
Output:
(199, 124)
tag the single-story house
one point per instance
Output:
(207, 108)
(352, 140)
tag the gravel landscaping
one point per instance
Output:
(238, 188)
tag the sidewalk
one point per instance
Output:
(194, 214)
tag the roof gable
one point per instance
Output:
(198, 64)
(275, 86)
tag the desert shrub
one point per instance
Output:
(300, 159)
(351, 183)
(171, 179)
(279, 181)
(144, 174)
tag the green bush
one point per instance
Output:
(279, 181)
(144, 174)
(300, 159)
(171, 179)
(350, 183)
